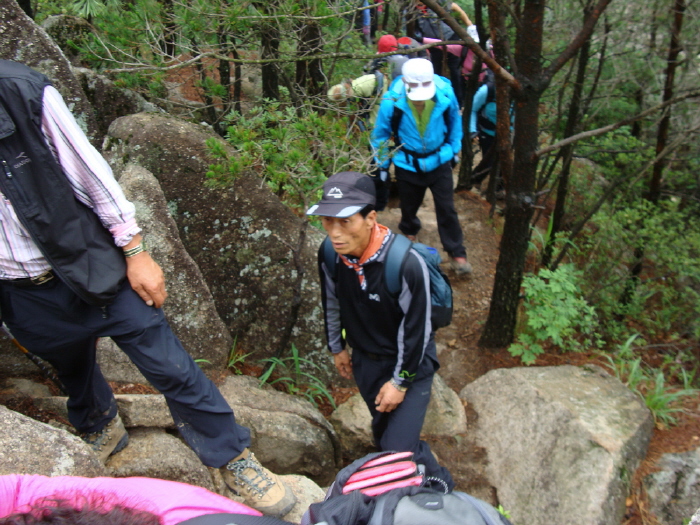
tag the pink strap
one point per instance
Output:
(389, 458)
(415, 481)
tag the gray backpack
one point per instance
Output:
(408, 505)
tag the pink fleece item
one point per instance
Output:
(172, 501)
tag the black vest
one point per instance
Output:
(71, 237)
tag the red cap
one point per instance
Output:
(387, 43)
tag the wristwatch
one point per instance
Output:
(397, 386)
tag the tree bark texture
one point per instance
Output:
(519, 180)
(270, 43)
(567, 151)
(664, 125)
(309, 73)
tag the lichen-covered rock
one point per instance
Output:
(257, 257)
(30, 447)
(673, 489)
(108, 100)
(22, 40)
(68, 31)
(189, 307)
(153, 453)
(289, 435)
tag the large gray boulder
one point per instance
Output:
(30, 447)
(153, 453)
(24, 41)
(108, 100)
(257, 257)
(68, 32)
(289, 435)
(562, 443)
(189, 307)
(673, 489)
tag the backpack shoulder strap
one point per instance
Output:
(396, 117)
(379, 84)
(329, 257)
(393, 263)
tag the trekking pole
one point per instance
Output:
(43, 366)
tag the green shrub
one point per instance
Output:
(293, 151)
(288, 372)
(651, 384)
(555, 313)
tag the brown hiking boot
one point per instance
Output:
(110, 440)
(260, 488)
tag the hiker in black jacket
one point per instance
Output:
(394, 357)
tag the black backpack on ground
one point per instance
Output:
(412, 505)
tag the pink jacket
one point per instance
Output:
(468, 63)
(173, 502)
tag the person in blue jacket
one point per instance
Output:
(421, 114)
(483, 124)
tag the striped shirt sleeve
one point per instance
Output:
(87, 171)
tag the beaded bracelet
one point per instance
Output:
(135, 250)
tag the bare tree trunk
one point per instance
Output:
(472, 85)
(519, 172)
(167, 44)
(567, 152)
(237, 81)
(309, 76)
(661, 142)
(664, 125)
(270, 44)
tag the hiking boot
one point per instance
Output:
(461, 266)
(260, 488)
(110, 440)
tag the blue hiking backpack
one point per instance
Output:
(440, 287)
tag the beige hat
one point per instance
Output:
(340, 92)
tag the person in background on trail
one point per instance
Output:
(482, 124)
(406, 42)
(421, 115)
(466, 57)
(73, 267)
(393, 344)
(430, 25)
(366, 91)
(66, 500)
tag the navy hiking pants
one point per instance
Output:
(412, 188)
(56, 325)
(399, 429)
